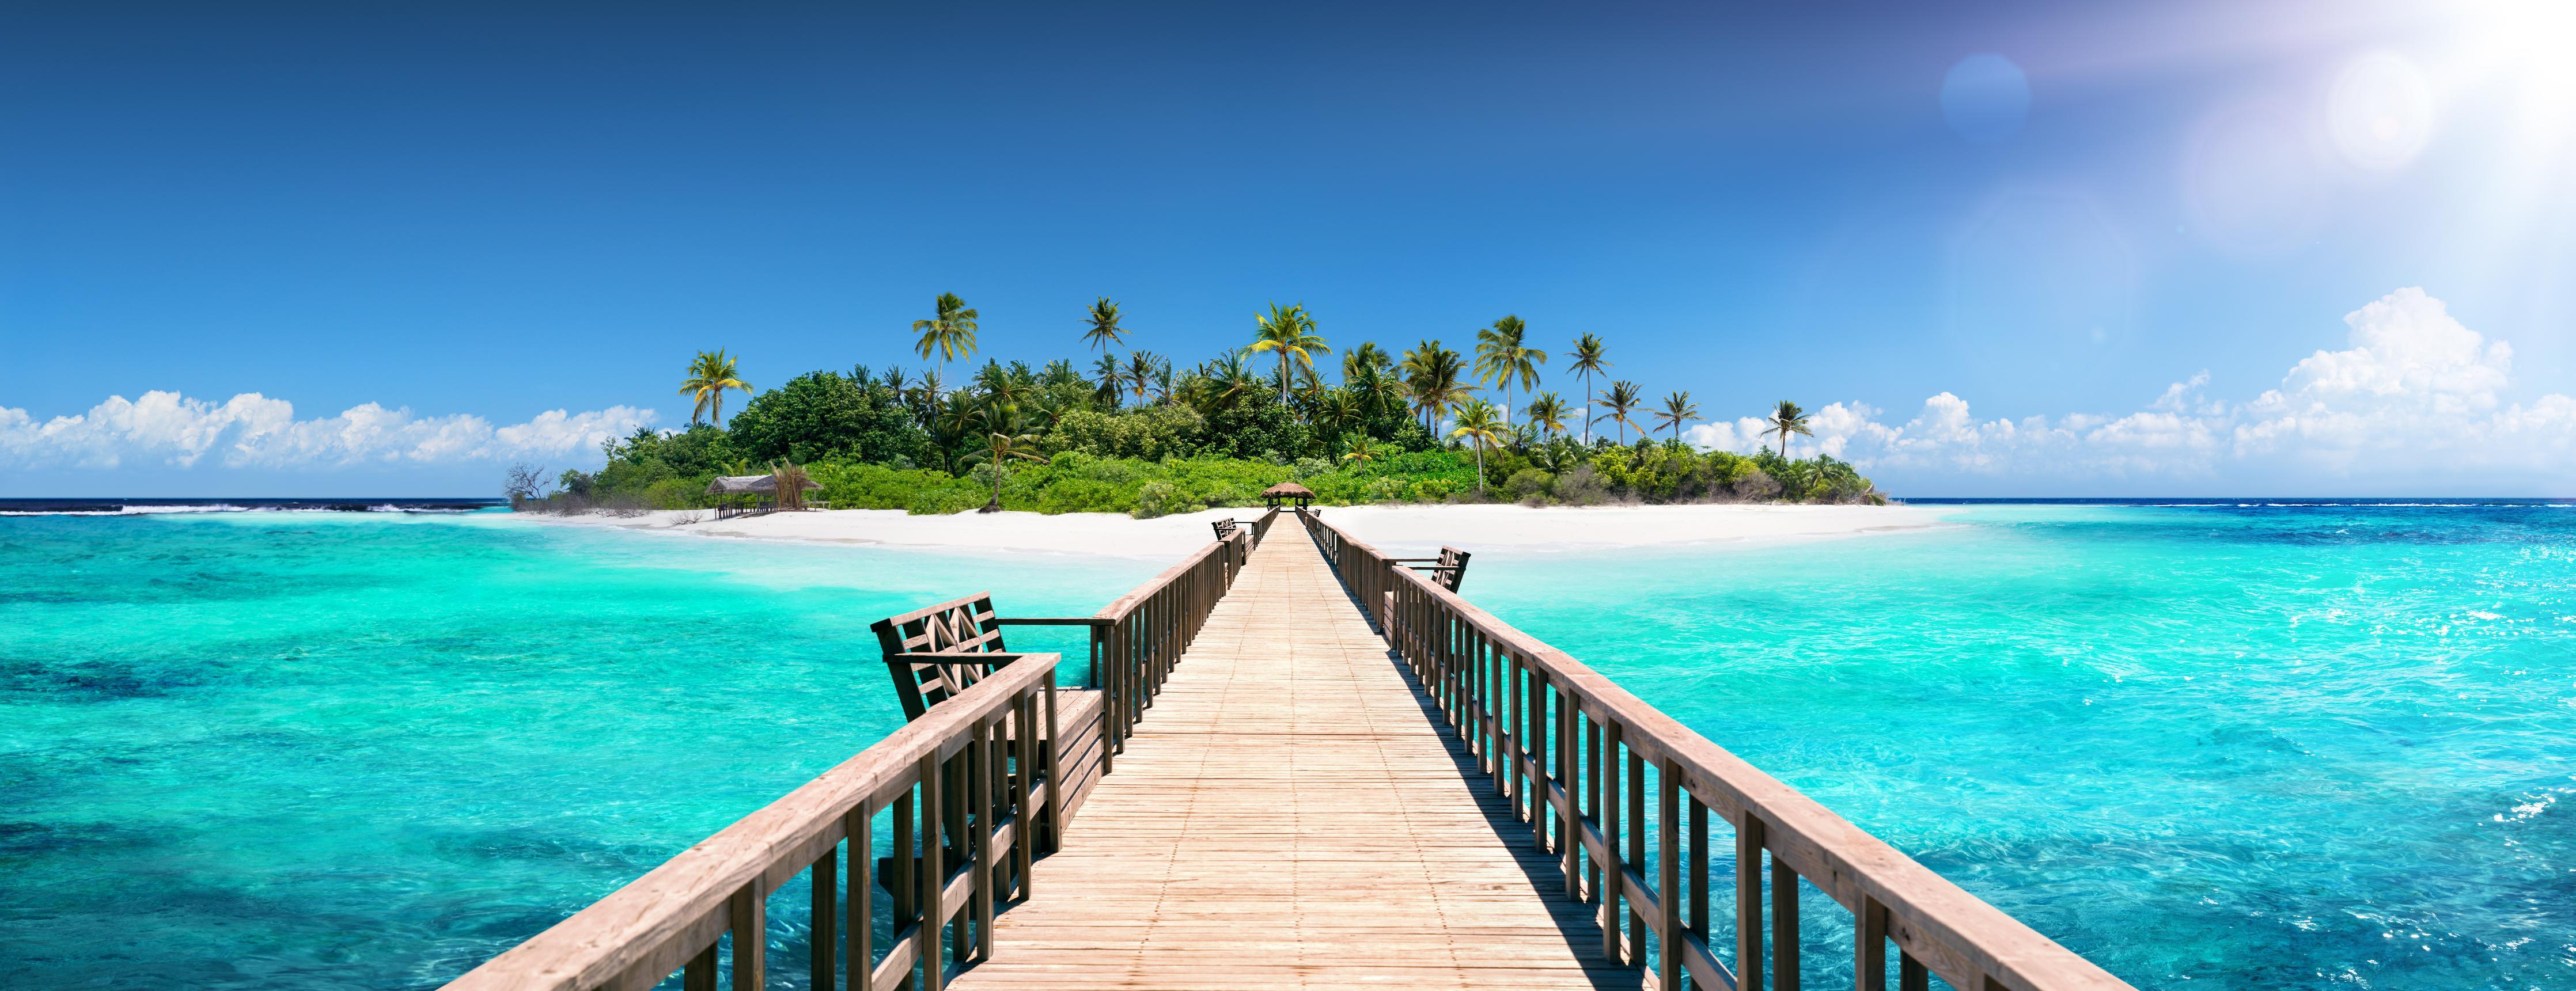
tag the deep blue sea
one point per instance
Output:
(2243, 744)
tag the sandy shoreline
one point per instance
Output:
(1406, 529)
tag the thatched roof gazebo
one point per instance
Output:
(755, 493)
(1288, 492)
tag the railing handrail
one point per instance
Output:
(1840, 858)
(1119, 607)
(646, 927)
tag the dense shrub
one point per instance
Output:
(1529, 485)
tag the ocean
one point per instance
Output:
(2220, 744)
(318, 749)
(2232, 744)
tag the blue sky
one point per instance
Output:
(458, 220)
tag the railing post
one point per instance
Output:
(1024, 789)
(1497, 664)
(1636, 823)
(1869, 946)
(1056, 784)
(1910, 974)
(1600, 822)
(750, 910)
(860, 923)
(699, 974)
(826, 903)
(1532, 722)
(1784, 927)
(907, 861)
(1748, 900)
(1569, 776)
(1668, 877)
(1698, 873)
(930, 935)
(980, 769)
(1613, 871)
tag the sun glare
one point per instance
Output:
(2528, 47)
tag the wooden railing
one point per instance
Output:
(926, 777)
(1136, 639)
(969, 787)
(1581, 759)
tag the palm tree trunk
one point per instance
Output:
(1480, 467)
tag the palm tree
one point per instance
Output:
(1140, 372)
(1547, 413)
(1677, 410)
(952, 423)
(1477, 422)
(1104, 330)
(1004, 442)
(1433, 374)
(1367, 356)
(1622, 400)
(1588, 362)
(1290, 331)
(930, 387)
(788, 479)
(1002, 389)
(1376, 388)
(1362, 451)
(709, 376)
(1222, 382)
(1785, 420)
(1501, 357)
(1337, 412)
(1051, 410)
(951, 332)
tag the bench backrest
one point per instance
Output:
(1224, 528)
(1452, 568)
(962, 627)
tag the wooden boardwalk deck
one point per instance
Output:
(1291, 813)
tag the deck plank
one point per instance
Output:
(1290, 814)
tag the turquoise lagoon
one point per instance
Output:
(2208, 746)
(342, 750)
(2231, 746)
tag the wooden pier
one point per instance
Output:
(1291, 815)
(1301, 764)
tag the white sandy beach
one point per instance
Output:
(1406, 529)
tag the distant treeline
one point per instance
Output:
(1133, 435)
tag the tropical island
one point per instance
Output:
(1131, 432)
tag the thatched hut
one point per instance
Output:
(1288, 492)
(736, 495)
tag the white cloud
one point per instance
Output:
(2413, 391)
(252, 430)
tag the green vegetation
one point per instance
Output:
(1134, 435)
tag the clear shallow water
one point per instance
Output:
(2217, 746)
(330, 750)
(2238, 747)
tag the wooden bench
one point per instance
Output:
(936, 652)
(1448, 570)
